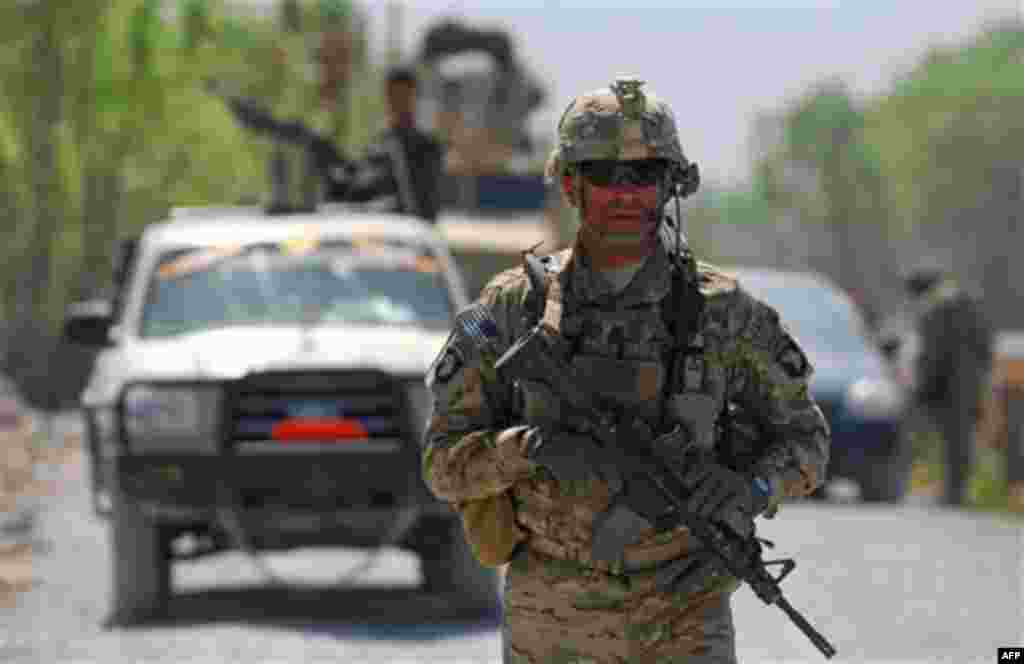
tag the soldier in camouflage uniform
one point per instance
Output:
(952, 366)
(496, 451)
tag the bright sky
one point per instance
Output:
(717, 63)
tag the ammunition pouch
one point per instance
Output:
(491, 529)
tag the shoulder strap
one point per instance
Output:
(682, 317)
(543, 303)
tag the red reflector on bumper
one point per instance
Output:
(319, 428)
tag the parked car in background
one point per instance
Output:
(852, 383)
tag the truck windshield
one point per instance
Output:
(304, 283)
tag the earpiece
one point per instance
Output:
(686, 178)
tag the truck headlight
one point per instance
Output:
(874, 399)
(421, 401)
(171, 418)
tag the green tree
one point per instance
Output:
(950, 135)
(105, 123)
(823, 173)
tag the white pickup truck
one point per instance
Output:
(260, 386)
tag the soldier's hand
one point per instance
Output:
(571, 456)
(691, 574)
(725, 496)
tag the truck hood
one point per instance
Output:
(233, 352)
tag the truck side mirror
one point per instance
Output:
(88, 323)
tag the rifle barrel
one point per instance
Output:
(819, 641)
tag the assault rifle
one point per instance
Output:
(655, 489)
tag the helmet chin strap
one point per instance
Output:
(675, 186)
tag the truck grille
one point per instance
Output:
(260, 402)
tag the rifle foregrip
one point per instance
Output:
(529, 359)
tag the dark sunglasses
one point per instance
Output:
(607, 173)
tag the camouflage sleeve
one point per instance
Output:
(770, 379)
(472, 450)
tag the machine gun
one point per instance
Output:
(324, 161)
(338, 174)
(656, 487)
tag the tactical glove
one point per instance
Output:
(571, 457)
(722, 495)
(701, 569)
(693, 573)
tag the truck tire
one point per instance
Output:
(98, 485)
(142, 564)
(449, 567)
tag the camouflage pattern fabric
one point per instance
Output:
(619, 122)
(956, 349)
(558, 611)
(952, 371)
(561, 604)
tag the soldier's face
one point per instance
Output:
(618, 214)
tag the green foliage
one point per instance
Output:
(959, 112)
(113, 125)
(195, 24)
(335, 11)
(740, 207)
(824, 133)
(144, 33)
(819, 125)
(106, 99)
(987, 488)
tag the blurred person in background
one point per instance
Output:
(403, 162)
(666, 344)
(951, 368)
(404, 165)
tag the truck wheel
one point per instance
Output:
(98, 472)
(885, 478)
(142, 563)
(102, 501)
(449, 567)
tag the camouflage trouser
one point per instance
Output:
(958, 437)
(558, 612)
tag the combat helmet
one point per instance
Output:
(620, 122)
